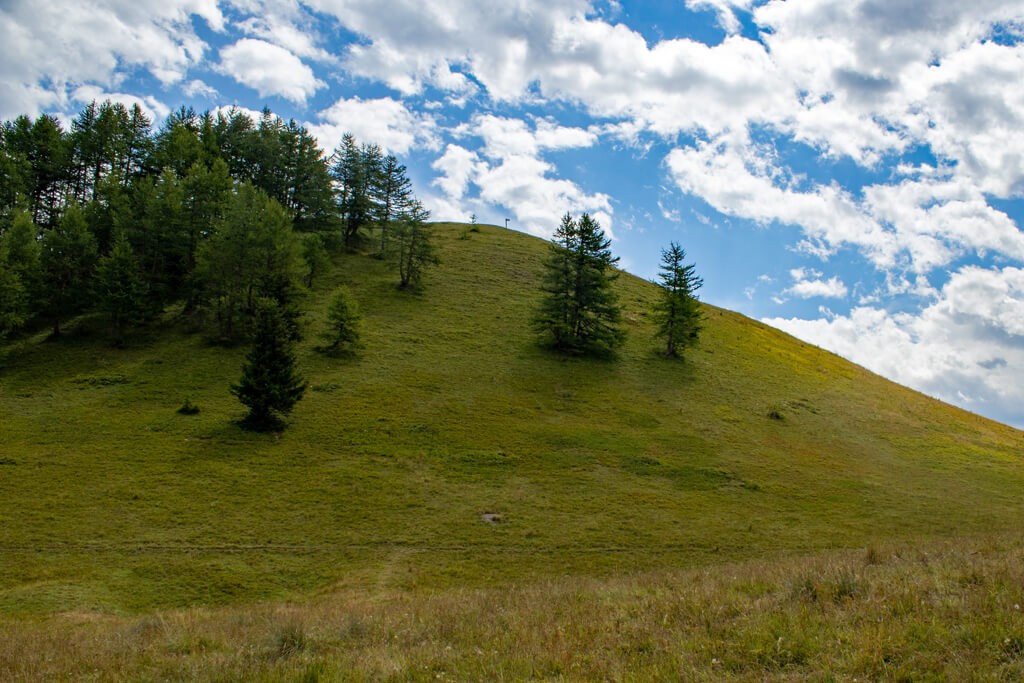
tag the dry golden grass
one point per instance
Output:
(949, 611)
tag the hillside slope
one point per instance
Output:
(115, 502)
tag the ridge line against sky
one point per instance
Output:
(850, 171)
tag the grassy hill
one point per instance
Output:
(757, 446)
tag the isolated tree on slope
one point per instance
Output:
(270, 385)
(343, 323)
(580, 313)
(413, 245)
(677, 312)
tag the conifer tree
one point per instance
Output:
(413, 246)
(392, 195)
(67, 261)
(314, 253)
(677, 313)
(343, 323)
(121, 289)
(579, 313)
(270, 385)
(13, 298)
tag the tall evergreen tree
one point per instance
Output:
(252, 254)
(121, 289)
(413, 246)
(270, 385)
(46, 149)
(579, 313)
(14, 301)
(21, 244)
(353, 169)
(392, 196)
(20, 273)
(677, 312)
(67, 260)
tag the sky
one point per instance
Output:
(849, 171)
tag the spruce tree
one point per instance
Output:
(270, 385)
(579, 313)
(677, 313)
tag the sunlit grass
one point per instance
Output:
(944, 611)
(115, 503)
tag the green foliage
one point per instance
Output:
(343, 329)
(678, 314)
(413, 246)
(579, 313)
(354, 170)
(67, 261)
(169, 192)
(270, 385)
(252, 254)
(315, 256)
(20, 273)
(121, 289)
(391, 191)
(13, 299)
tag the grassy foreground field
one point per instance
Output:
(942, 612)
(383, 484)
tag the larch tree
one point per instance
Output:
(392, 195)
(413, 246)
(67, 260)
(677, 312)
(579, 313)
(342, 333)
(121, 289)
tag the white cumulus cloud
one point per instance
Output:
(383, 121)
(269, 69)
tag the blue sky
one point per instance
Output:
(851, 171)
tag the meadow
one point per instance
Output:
(454, 468)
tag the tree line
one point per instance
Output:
(214, 211)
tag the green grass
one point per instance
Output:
(115, 503)
(944, 611)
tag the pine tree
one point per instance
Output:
(677, 313)
(121, 289)
(579, 313)
(270, 385)
(343, 323)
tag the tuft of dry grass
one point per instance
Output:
(942, 611)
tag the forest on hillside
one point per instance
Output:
(213, 211)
